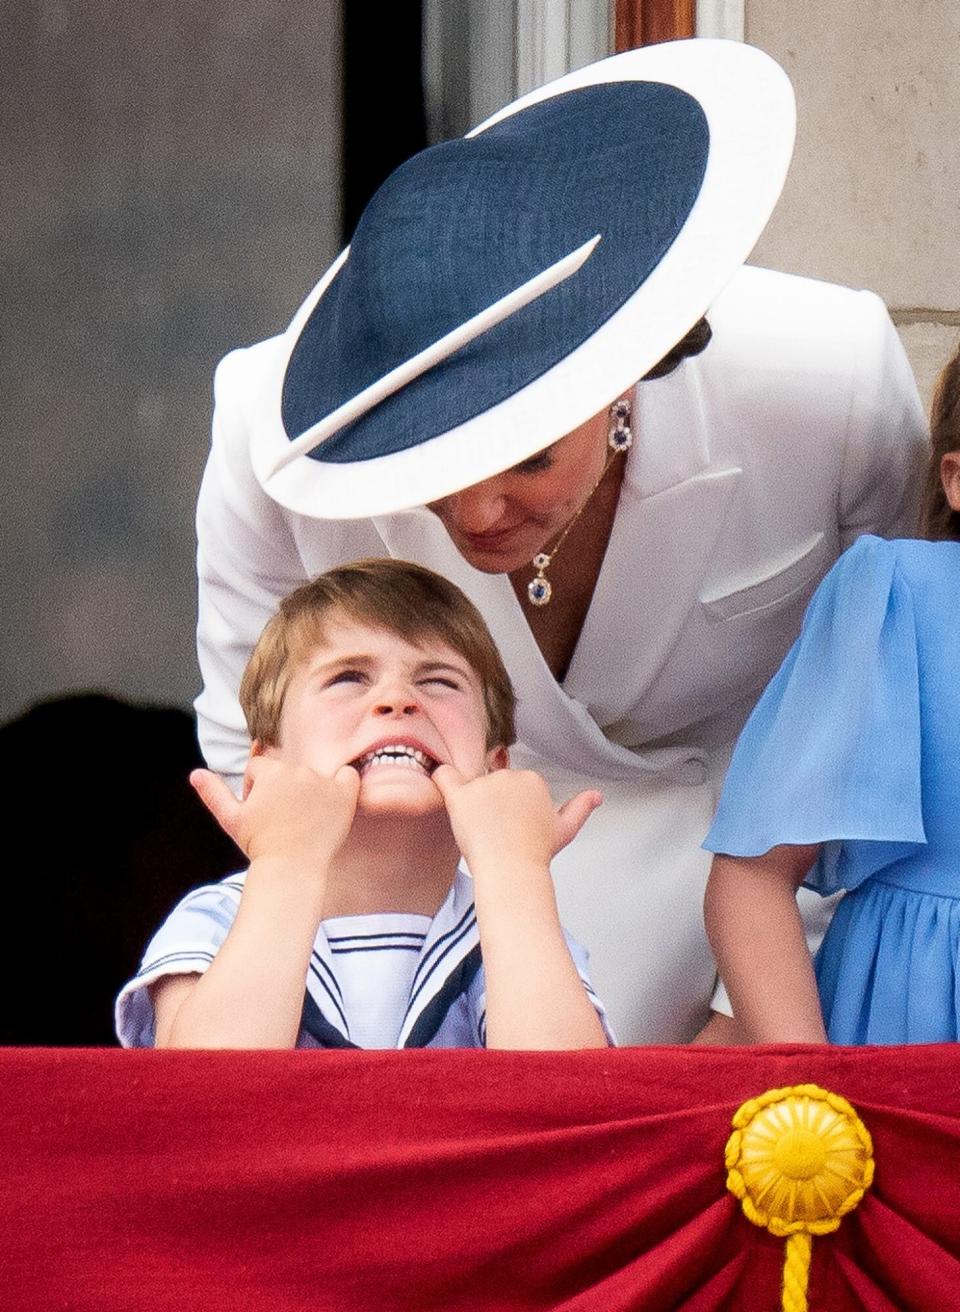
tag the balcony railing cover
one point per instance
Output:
(368, 1182)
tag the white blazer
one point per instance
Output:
(753, 466)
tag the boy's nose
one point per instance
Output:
(399, 705)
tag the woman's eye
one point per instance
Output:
(445, 683)
(537, 464)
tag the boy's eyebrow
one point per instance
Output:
(429, 667)
(363, 661)
(323, 665)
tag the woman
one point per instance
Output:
(460, 390)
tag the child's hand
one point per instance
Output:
(287, 811)
(507, 817)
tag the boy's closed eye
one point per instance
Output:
(346, 676)
(361, 676)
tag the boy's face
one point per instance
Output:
(367, 698)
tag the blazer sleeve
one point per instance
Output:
(887, 439)
(251, 552)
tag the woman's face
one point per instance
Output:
(499, 525)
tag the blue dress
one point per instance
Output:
(856, 745)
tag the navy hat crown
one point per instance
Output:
(503, 289)
(464, 223)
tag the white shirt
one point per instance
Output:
(383, 981)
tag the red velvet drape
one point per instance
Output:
(588, 1182)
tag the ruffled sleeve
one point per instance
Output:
(831, 753)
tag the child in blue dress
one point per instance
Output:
(847, 776)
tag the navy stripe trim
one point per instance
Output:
(449, 951)
(378, 947)
(322, 984)
(325, 975)
(442, 945)
(318, 1027)
(362, 938)
(434, 1014)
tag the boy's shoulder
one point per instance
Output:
(216, 904)
(227, 889)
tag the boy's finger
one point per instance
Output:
(573, 815)
(348, 779)
(219, 801)
(447, 779)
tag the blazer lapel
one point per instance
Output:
(551, 724)
(672, 507)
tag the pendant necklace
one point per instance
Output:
(619, 440)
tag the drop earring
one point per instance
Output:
(620, 437)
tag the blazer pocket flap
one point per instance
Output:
(786, 578)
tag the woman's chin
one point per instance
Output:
(512, 553)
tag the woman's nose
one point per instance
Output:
(476, 509)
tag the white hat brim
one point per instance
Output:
(749, 106)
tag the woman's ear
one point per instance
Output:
(950, 478)
(498, 759)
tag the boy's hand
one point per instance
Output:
(508, 816)
(287, 811)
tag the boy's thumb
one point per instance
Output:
(219, 801)
(573, 815)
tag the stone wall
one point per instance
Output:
(873, 197)
(170, 188)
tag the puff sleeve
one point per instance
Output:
(832, 752)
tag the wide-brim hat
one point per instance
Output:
(611, 206)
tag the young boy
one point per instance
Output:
(380, 714)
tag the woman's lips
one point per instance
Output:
(492, 541)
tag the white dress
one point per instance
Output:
(753, 466)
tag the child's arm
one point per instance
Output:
(757, 937)
(508, 829)
(290, 823)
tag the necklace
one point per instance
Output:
(619, 439)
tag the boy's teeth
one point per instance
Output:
(399, 755)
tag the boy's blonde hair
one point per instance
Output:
(395, 595)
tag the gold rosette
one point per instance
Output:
(799, 1160)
